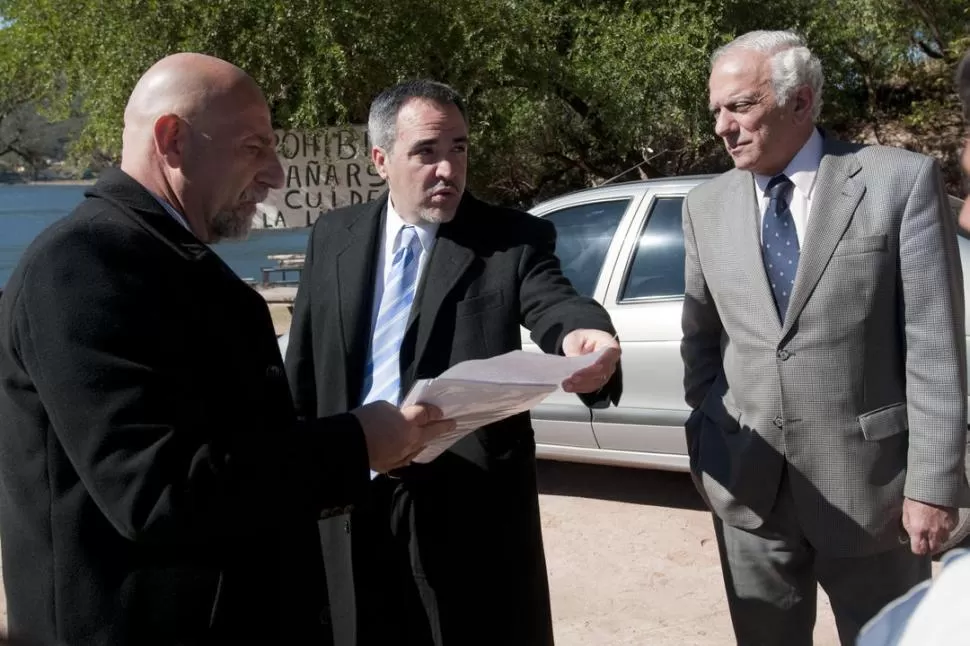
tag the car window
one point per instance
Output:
(658, 262)
(583, 236)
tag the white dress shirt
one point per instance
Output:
(801, 170)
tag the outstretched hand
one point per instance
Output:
(594, 377)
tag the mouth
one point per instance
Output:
(443, 194)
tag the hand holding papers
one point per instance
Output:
(476, 393)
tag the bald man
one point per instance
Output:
(156, 486)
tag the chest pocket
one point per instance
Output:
(479, 304)
(868, 244)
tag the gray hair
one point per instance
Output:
(963, 83)
(792, 63)
(382, 121)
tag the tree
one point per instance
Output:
(562, 93)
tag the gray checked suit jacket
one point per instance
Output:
(860, 393)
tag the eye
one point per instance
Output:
(460, 148)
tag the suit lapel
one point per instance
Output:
(747, 240)
(356, 259)
(835, 198)
(449, 260)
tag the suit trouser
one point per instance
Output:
(373, 599)
(771, 576)
(337, 554)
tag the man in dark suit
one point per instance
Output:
(824, 351)
(155, 486)
(449, 552)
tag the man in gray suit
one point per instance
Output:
(824, 354)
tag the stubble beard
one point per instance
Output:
(231, 225)
(436, 216)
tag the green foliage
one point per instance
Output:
(562, 93)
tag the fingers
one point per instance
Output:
(430, 431)
(421, 414)
(925, 540)
(589, 379)
(927, 525)
(926, 543)
(580, 342)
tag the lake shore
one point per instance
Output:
(60, 182)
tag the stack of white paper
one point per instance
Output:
(479, 392)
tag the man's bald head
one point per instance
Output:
(186, 85)
(198, 135)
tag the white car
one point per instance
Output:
(623, 245)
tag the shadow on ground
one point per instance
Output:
(637, 486)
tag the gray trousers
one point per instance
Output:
(771, 576)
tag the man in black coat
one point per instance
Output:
(155, 485)
(448, 552)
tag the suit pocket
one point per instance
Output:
(725, 417)
(884, 422)
(481, 303)
(852, 246)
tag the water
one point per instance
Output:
(25, 211)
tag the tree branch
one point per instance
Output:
(928, 50)
(924, 13)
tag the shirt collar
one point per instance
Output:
(178, 217)
(426, 230)
(802, 169)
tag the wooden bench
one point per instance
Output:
(286, 264)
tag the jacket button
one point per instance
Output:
(778, 421)
(274, 372)
(785, 355)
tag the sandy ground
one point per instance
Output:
(632, 560)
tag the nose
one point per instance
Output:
(445, 169)
(272, 172)
(724, 123)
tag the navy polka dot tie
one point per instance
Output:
(779, 243)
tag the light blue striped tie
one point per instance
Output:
(382, 375)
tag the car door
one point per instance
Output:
(589, 231)
(645, 299)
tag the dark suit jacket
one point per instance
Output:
(468, 521)
(155, 487)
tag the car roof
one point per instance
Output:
(622, 189)
(636, 187)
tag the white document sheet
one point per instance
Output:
(479, 392)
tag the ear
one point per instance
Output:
(379, 158)
(803, 102)
(169, 133)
